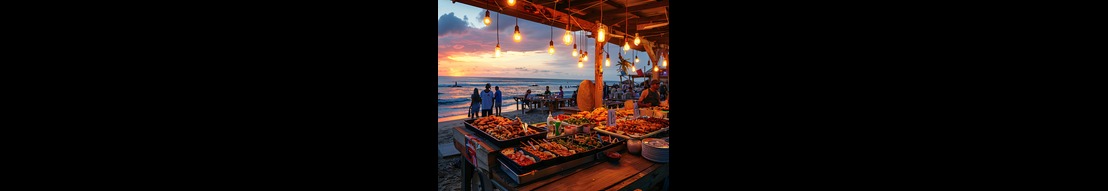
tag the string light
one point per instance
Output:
(511, 2)
(497, 35)
(607, 57)
(551, 40)
(566, 38)
(517, 36)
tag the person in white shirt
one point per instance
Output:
(487, 98)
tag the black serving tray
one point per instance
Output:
(557, 160)
(505, 143)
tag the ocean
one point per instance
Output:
(454, 101)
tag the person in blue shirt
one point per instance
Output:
(499, 100)
(487, 97)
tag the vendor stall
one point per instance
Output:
(580, 151)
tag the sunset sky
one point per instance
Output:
(466, 46)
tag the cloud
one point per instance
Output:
(450, 24)
(522, 69)
(458, 46)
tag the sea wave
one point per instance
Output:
(455, 100)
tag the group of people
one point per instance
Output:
(483, 103)
(547, 94)
(625, 91)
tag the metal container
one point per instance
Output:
(505, 143)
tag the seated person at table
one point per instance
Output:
(526, 99)
(573, 101)
(547, 93)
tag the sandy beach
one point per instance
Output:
(450, 172)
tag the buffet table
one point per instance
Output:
(629, 173)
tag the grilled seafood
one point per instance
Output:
(519, 157)
(502, 128)
(635, 127)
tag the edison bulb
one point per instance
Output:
(551, 47)
(600, 35)
(516, 36)
(664, 62)
(511, 2)
(626, 47)
(608, 61)
(497, 49)
(636, 59)
(580, 64)
(488, 20)
(585, 57)
(655, 68)
(575, 50)
(636, 39)
(567, 38)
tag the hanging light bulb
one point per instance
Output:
(517, 37)
(636, 39)
(664, 62)
(636, 58)
(574, 49)
(511, 2)
(580, 64)
(497, 49)
(552, 40)
(655, 68)
(566, 38)
(585, 57)
(607, 60)
(626, 47)
(600, 34)
(488, 20)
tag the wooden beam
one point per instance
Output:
(661, 17)
(583, 3)
(614, 4)
(646, 6)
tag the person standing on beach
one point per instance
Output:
(650, 96)
(499, 100)
(487, 97)
(561, 93)
(474, 104)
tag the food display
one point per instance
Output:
(636, 127)
(504, 132)
(518, 157)
(581, 143)
(556, 148)
(535, 150)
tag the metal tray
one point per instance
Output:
(597, 129)
(527, 168)
(505, 143)
(557, 161)
(524, 177)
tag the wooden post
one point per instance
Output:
(598, 86)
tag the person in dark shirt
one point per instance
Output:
(474, 104)
(650, 96)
